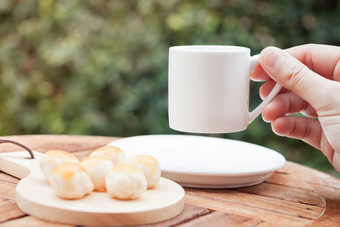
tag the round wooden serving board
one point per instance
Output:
(35, 197)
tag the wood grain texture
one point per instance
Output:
(222, 219)
(189, 213)
(30, 221)
(9, 210)
(253, 201)
(295, 195)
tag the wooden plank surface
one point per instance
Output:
(295, 195)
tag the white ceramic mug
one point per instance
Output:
(209, 88)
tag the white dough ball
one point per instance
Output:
(54, 157)
(97, 168)
(70, 181)
(115, 154)
(125, 182)
(150, 167)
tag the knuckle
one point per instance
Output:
(296, 75)
(307, 132)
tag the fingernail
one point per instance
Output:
(265, 113)
(271, 57)
(265, 119)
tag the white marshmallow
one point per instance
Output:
(125, 182)
(54, 157)
(115, 154)
(70, 181)
(150, 167)
(97, 168)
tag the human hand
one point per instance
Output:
(310, 77)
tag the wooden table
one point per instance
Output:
(295, 195)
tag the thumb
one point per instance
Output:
(295, 76)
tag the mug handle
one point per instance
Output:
(254, 61)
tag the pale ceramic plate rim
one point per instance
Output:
(281, 159)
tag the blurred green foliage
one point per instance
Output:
(100, 67)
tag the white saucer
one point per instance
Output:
(205, 162)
